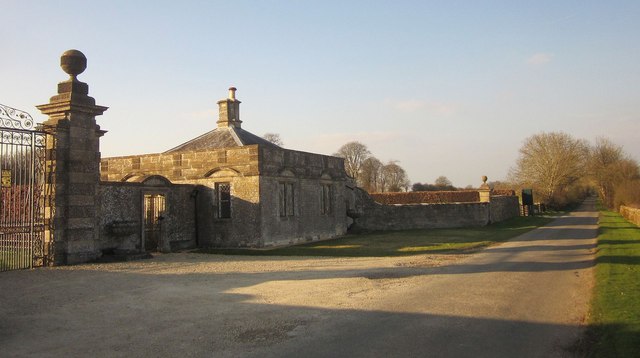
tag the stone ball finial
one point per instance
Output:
(73, 62)
(484, 179)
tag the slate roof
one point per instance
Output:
(222, 137)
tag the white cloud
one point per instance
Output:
(540, 59)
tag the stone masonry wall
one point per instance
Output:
(631, 214)
(273, 161)
(121, 216)
(253, 173)
(308, 172)
(237, 166)
(243, 228)
(308, 223)
(504, 207)
(182, 167)
(375, 216)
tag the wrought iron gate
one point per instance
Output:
(154, 207)
(22, 194)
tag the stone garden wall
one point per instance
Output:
(121, 219)
(371, 215)
(504, 207)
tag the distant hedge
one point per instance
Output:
(427, 197)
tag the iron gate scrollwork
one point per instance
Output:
(22, 193)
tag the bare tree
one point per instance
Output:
(354, 154)
(443, 182)
(370, 178)
(394, 177)
(273, 138)
(550, 163)
(605, 157)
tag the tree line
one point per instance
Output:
(559, 168)
(369, 172)
(562, 170)
(442, 183)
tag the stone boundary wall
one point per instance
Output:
(371, 215)
(631, 214)
(504, 207)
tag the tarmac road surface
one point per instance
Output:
(525, 298)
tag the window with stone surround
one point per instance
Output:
(286, 200)
(325, 199)
(223, 201)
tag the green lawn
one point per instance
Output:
(403, 243)
(615, 312)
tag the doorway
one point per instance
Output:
(154, 210)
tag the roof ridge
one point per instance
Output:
(177, 148)
(222, 137)
(235, 136)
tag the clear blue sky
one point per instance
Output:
(446, 88)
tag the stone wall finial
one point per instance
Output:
(73, 62)
(484, 190)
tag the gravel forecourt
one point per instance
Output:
(526, 297)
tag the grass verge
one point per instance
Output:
(403, 243)
(614, 329)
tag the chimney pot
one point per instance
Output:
(229, 111)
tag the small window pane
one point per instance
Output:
(325, 199)
(289, 195)
(281, 199)
(223, 193)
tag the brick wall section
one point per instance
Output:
(503, 192)
(427, 197)
(631, 214)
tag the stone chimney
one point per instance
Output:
(229, 111)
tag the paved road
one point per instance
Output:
(524, 298)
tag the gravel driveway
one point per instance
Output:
(526, 297)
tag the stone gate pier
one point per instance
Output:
(74, 162)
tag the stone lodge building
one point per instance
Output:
(246, 191)
(225, 188)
